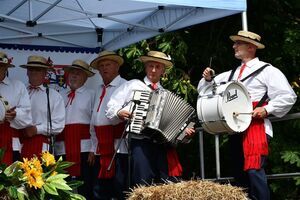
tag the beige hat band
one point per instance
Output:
(83, 68)
(255, 39)
(75, 65)
(163, 59)
(37, 63)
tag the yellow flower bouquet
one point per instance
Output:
(37, 179)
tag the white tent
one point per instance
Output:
(92, 25)
(67, 30)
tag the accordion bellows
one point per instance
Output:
(160, 115)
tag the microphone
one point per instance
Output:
(138, 102)
(47, 88)
(45, 85)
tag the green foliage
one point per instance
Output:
(177, 78)
(37, 179)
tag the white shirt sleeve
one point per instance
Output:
(282, 96)
(23, 109)
(117, 101)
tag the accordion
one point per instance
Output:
(160, 115)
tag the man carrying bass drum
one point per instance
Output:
(250, 149)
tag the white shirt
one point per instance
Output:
(122, 97)
(38, 99)
(99, 118)
(281, 95)
(15, 93)
(79, 112)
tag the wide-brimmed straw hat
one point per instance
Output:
(4, 60)
(157, 56)
(38, 61)
(82, 65)
(248, 36)
(107, 55)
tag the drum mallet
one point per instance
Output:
(235, 114)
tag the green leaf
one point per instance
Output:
(60, 185)
(11, 170)
(75, 184)
(77, 197)
(50, 189)
(64, 165)
(12, 190)
(22, 193)
(21, 196)
(56, 177)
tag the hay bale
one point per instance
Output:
(188, 190)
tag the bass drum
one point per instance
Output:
(218, 107)
(4, 106)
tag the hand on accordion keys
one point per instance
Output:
(124, 114)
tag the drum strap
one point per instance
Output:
(231, 74)
(265, 97)
(255, 72)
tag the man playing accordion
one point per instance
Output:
(150, 161)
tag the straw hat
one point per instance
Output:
(248, 36)
(80, 64)
(4, 60)
(38, 61)
(107, 55)
(157, 56)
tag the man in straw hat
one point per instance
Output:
(250, 149)
(17, 115)
(151, 162)
(74, 142)
(36, 140)
(106, 132)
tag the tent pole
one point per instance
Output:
(244, 21)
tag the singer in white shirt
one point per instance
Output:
(38, 138)
(18, 113)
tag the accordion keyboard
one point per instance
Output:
(140, 112)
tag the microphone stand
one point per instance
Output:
(49, 122)
(128, 146)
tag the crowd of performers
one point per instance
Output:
(88, 125)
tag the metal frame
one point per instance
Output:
(217, 153)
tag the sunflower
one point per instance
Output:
(48, 158)
(34, 178)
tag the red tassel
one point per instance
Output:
(6, 134)
(106, 136)
(254, 143)
(174, 166)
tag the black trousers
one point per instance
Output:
(254, 180)
(149, 162)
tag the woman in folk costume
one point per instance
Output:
(74, 142)
(15, 111)
(106, 133)
(35, 141)
(270, 93)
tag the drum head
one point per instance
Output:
(237, 100)
(217, 104)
